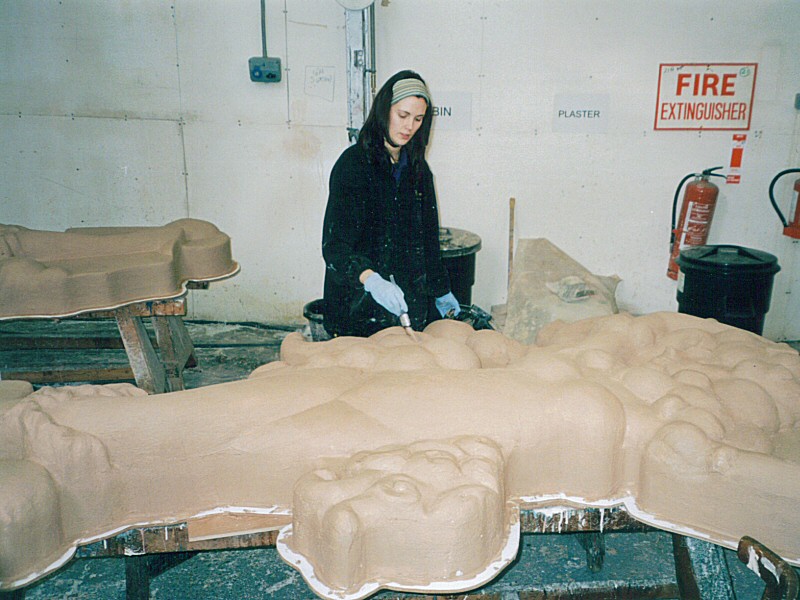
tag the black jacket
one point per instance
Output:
(374, 222)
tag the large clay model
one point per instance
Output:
(404, 464)
(50, 273)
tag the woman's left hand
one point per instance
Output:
(447, 303)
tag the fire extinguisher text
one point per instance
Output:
(705, 84)
(709, 111)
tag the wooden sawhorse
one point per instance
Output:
(153, 373)
(177, 351)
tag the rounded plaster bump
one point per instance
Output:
(750, 402)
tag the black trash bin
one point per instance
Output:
(314, 311)
(458, 248)
(731, 284)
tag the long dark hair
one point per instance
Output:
(376, 128)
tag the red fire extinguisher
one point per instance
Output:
(697, 210)
(790, 228)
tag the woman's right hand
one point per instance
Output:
(386, 293)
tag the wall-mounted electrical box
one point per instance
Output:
(265, 69)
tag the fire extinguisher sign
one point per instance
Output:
(705, 96)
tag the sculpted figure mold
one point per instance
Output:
(51, 273)
(431, 447)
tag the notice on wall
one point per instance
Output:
(737, 154)
(319, 82)
(705, 96)
(452, 110)
(580, 113)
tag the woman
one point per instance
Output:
(380, 238)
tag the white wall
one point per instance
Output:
(137, 113)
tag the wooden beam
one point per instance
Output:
(147, 369)
(71, 375)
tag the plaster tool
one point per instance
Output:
(405, 320)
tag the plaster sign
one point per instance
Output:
(581, 113)
(421, 453)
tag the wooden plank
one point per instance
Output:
(71, 375)
(176, 538)
(605, 591)
(170, 538)
(476, 596)
(228, 525)
(60, 343)
(570, 520)
(259, 539)
(171, 307)
(140, 540)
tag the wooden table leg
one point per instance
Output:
(177, 350)
(147, 369)
(701, 570)
(595, 545)
(137, 577)
(140, 569)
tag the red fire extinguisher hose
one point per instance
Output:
(772, 194)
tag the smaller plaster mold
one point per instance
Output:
(56, 274)
(432, 501)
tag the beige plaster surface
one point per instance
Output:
(404, 464)
(50, 273)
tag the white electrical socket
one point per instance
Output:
(265, 69)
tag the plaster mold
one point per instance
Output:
(50, 274)
(440, 504)
(404, 464)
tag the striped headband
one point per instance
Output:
(409, 87)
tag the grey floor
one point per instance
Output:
(548, 566)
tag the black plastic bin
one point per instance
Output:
(458, 248)
(731, 284)
(314, 312)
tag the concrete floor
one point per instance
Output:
(548, 566)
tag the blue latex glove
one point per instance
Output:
(446, 303)
(386, 293)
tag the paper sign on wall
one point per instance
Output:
(581, 113)
(707, 96)
(737, 154)
(452, 110)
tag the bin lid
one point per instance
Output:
(727, 259)
(458, 242)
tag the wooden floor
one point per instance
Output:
(548, 566)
